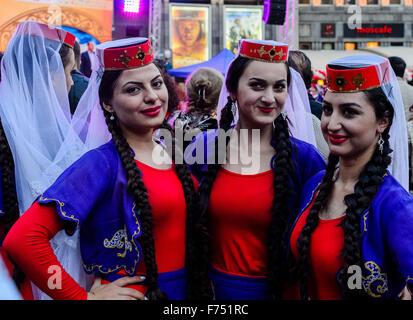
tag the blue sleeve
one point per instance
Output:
(79, 188)
(309, 161)
(399, 233)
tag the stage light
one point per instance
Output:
(131, 6)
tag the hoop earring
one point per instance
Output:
(380, 143)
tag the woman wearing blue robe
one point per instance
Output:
(245, 213)
(121, 200)
(353, 237)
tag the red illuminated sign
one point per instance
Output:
(377, 30)
(328, 30)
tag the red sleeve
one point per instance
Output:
(28, 244)
(196, 183)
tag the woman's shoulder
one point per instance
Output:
(106, 151)
(303, 146)
(100, 159)
(308, 159)
(392, 194)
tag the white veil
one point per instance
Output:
(399, 166)
(297, 105)
(35, 114)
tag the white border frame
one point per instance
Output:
(229, 6)
(192, 5)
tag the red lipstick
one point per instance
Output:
(152, 112)
(264, 109)
(337, 139)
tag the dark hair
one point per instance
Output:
(283, 167)
(171, 86)
(10, 204)
(65, 54)
(76, 51)
(302, 64)
(398, 65)
(137, 188)
(365, 189)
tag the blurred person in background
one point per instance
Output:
(302, 64)
(202, 93)
(399, 67)
(86, 64)
(80, 82)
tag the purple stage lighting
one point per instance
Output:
(131, 6)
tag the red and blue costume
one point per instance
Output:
(386, 243)
(91, 195)
(240, 214)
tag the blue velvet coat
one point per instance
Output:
(308, 161)
(92, 195)
(386, 233)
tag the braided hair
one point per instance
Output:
(10, 203)
(282, 166)
(365, 189)
(137, 188)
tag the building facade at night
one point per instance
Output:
(327, 24)
(320, 24)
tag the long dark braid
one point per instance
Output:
(10, 204)
(193, 263)
(283, 167)
(302, 267)
(139, 191)
(11, 207)
(365, 189)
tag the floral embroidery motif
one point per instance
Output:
(119, 241)
(365, 217)
(124, 58)
(60, 208)
(358, 80)
(140, 55)
(272, 52)
(375, 284)
(340, 81)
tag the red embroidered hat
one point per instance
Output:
(356, 77)
(125, 53)
(263, 50)
(43, 30)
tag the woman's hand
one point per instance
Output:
(115, 290)
(405, 294)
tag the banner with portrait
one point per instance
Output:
(242, 23)
(189, 34)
